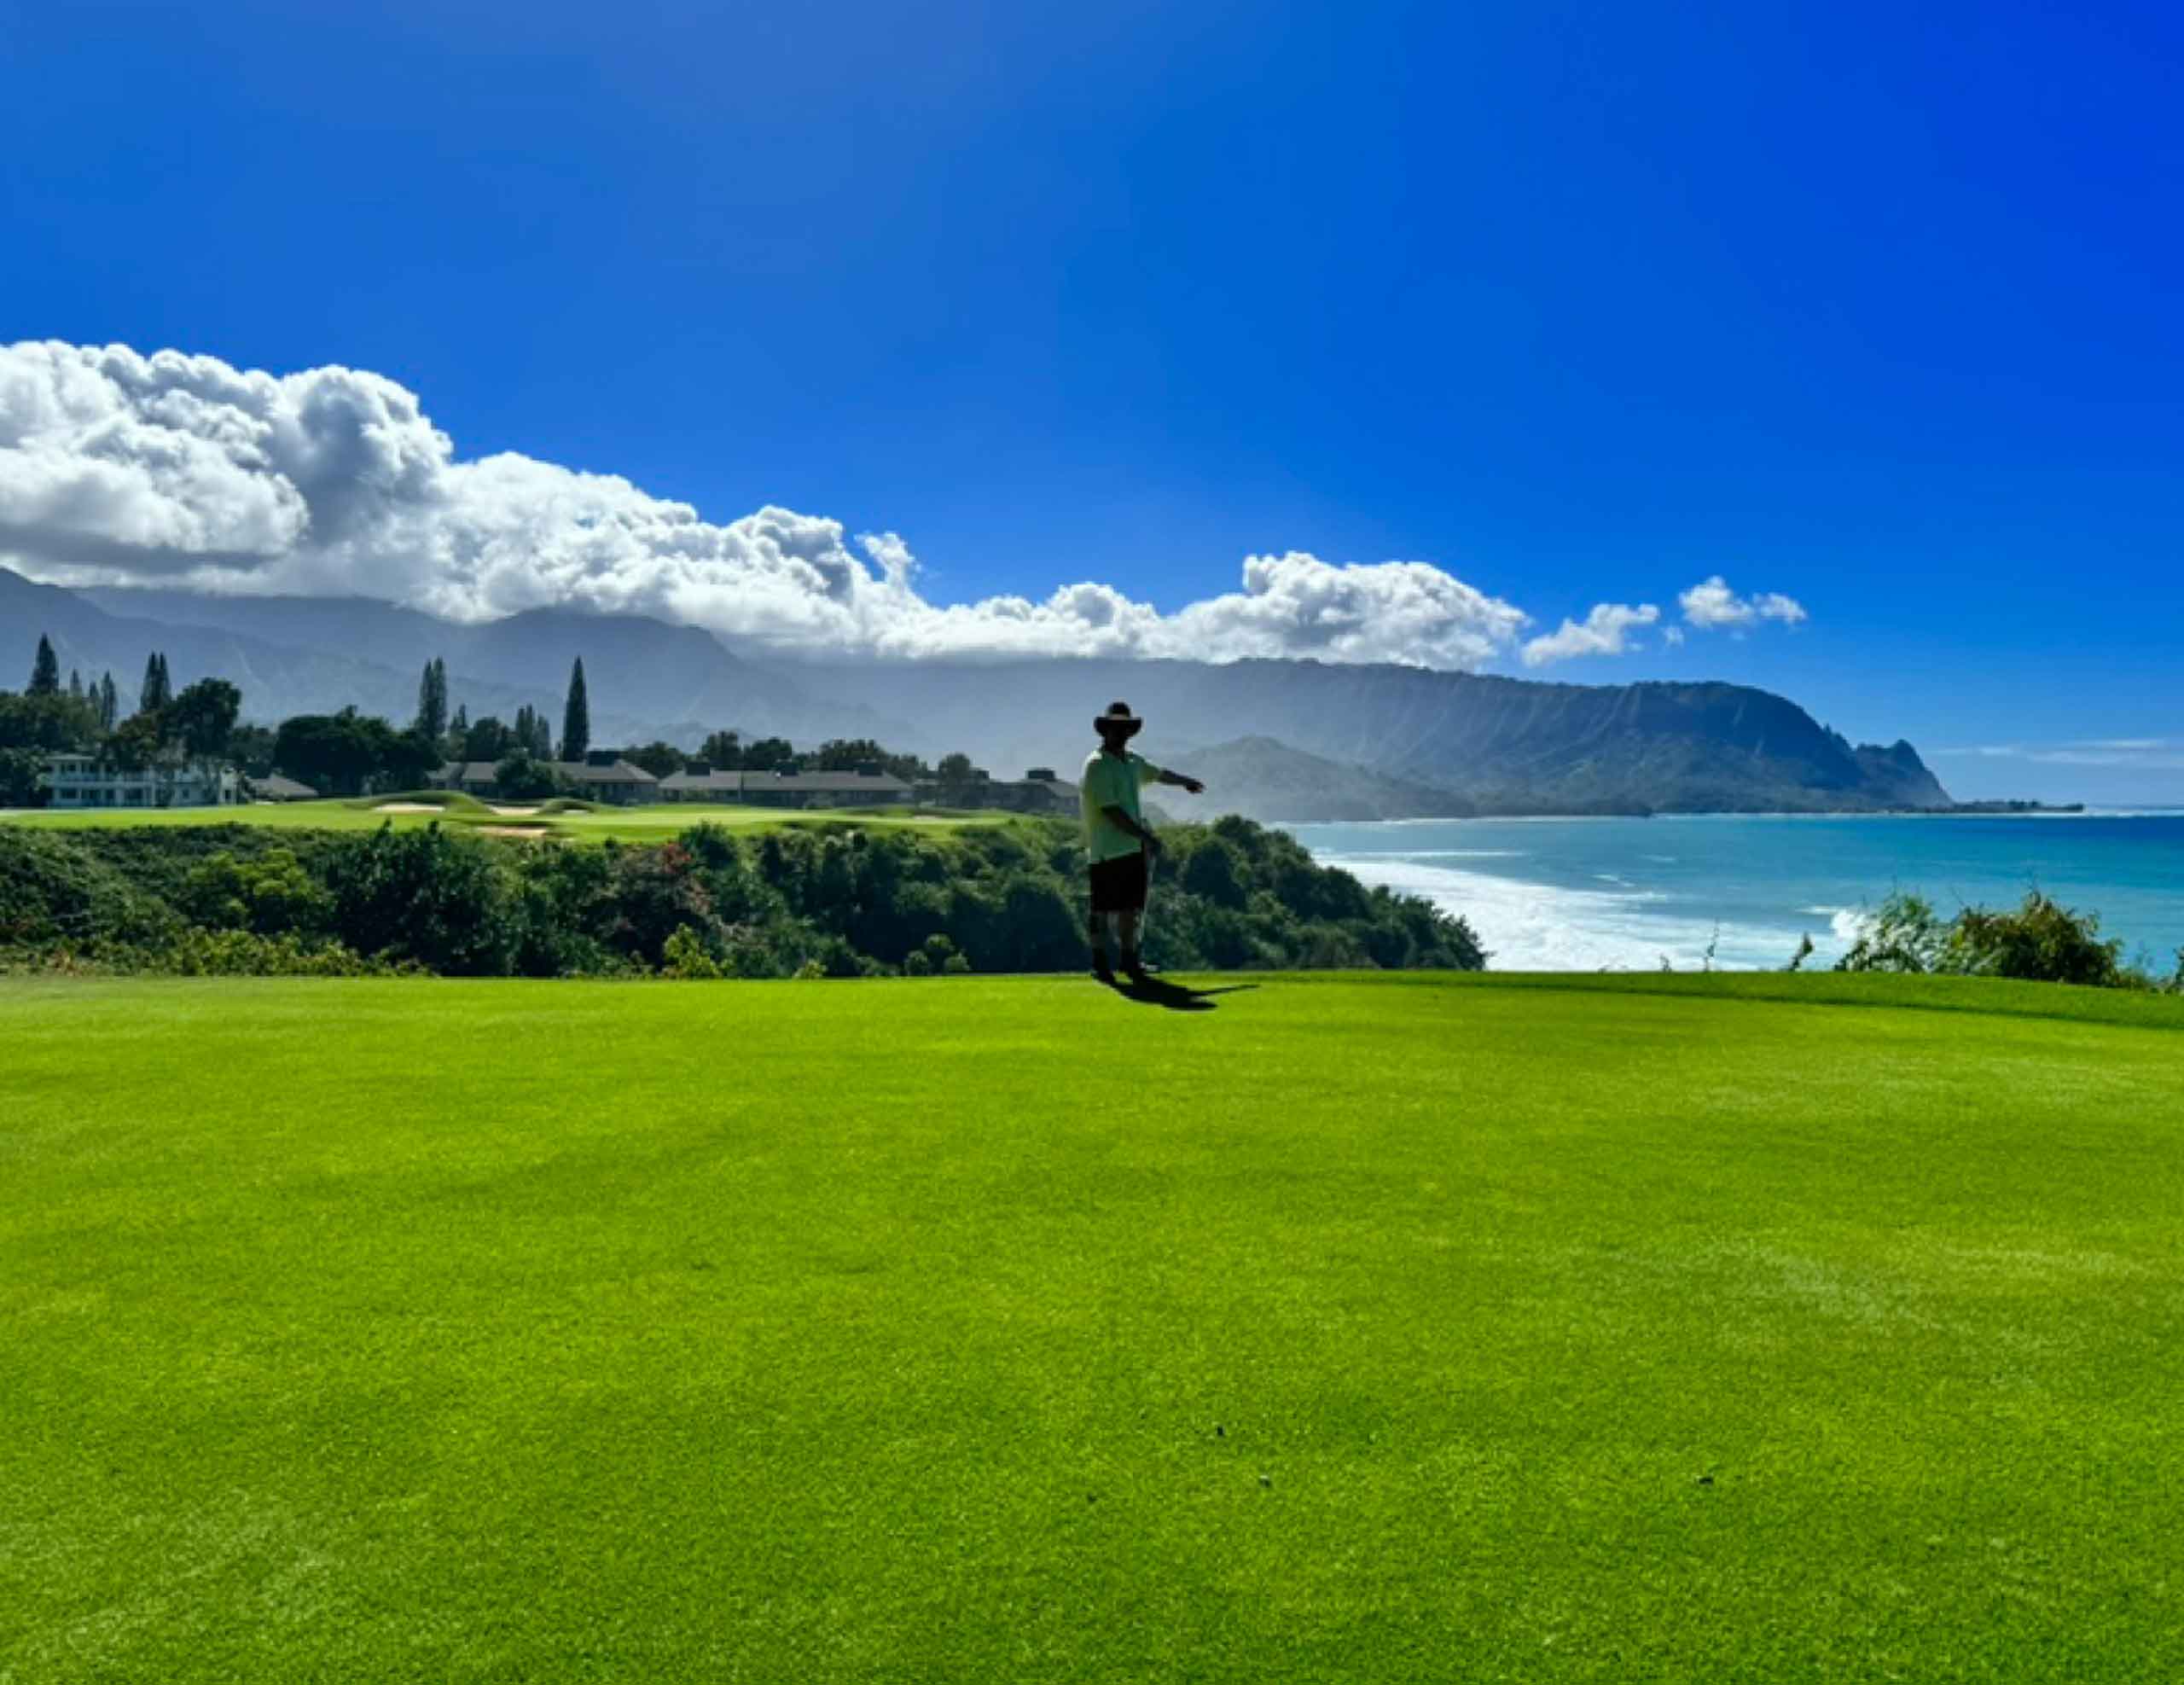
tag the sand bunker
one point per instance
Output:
(512, 812)
(406, 807)
(512, 830)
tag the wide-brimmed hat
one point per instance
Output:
(1117, 721)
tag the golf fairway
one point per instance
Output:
(1001, 1329)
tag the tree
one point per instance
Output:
(458, 734)
(251, 748)
(955, 771)
(158, 691)
(432, 700)
(75, 686)
(426, 895)
(522, 776)
(767, 753)
(487, 739)
(532, 735)
(337, 753)
(847, 754)
(576, 716)
(203, 718)
(109, 703)
(723, 751)
(45, 670)
(53, 721)
(407, 759)
(1215, 872)
(22, 773)
(659, 758)
(135, 743)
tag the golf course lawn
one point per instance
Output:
(1395, 1329)
(658, 822)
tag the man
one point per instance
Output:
(1120, 843)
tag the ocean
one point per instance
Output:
(1624, 894)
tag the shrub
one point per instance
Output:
(2038, 940)
(685, 956)
(1905, 934)
(56, 893)
(270, 895)
(427, 896)
(239, 953)
(1215, 871)
(656, 892)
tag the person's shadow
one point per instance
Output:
(1158, 991)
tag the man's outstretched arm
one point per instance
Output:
(1181, 781)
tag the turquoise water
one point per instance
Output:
(1584, 894)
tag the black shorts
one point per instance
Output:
(1118, 885)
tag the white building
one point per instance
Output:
(78, 781)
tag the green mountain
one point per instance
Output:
(1268, 781)
(1433, 741)
(1506, 745)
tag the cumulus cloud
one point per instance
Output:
(1605, 632)
(1711, 604)
(120, 468)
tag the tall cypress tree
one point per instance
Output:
(109, 702)
(432, 700)
(576, 717)
(45, 669)
(75, 685)
(156, 693)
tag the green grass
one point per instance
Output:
(578, 821)
(1710, 1329)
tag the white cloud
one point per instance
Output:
(1605, 632)
(1711, 604)
(117, 468)
(1672, 635)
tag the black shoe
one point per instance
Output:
(1134, 968)
(1103, 971)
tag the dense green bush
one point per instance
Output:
(240, 953)
(429, 897)
(55, 896)
(836, 901)
(2038, 940)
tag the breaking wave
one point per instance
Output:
(1527, 927)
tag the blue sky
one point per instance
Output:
(1870, 305)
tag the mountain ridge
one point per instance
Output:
(1499, 744)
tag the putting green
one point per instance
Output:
(1390, 1328)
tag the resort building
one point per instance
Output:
(602, 775)
(80, 781)
(1038, 791)
(867, 786)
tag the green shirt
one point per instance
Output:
(1112, 781)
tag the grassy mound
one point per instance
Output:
(447, 801)
(1387, 1328)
